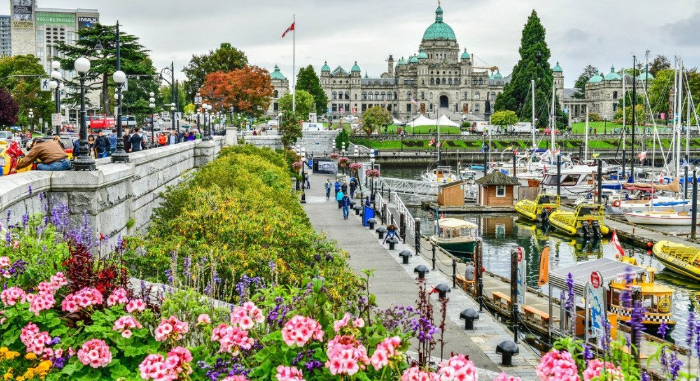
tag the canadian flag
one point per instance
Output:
(291, 28)
(642, 155)
(432, 142)
(616, 243)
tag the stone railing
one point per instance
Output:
(115, 194)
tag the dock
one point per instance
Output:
(468, 208)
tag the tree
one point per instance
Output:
(304, 102)
(639, 114)
(533, 64)
(308, 80)
(8, 109)
(165, 94)
(25, 90)
(504, 118)
(225, 59)
(375, 117)
(135, 62)
(290, 127)
(247, 90)
(660, 91)
(659, 63)
(343, 137)
(588, 72)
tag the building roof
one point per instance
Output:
(325, 67)
(612, 76)
(465, 55)
(596, 78)
(402, 61)
(277, 74)
(498, 75)
(643, 76)
(413, 59)
(339, 71)
(422, 55)
(610, 269)
(557, 68)
(497, 178)
(439, 30)
(355, 68)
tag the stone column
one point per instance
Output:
(231, 136)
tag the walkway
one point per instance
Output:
(394, 283)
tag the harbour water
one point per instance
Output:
(503, 232)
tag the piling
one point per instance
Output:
(478, 260)
(694, 218)
(416, 234)
(558, 175)
(514, 291)
(600, 181)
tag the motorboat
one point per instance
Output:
(667, 217)
(439, 175)
(587, 220)
(681, 259)
(539, 209)
(573, 182)
(456, 236)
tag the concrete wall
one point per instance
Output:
(114, 193)
(315, 142)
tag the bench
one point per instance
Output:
(501, 298)
(464, 284)
(531, 312)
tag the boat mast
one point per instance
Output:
(646, 80)
(532, 81)
(634, 101)
(687, 122)
(585, 144)
(624, 111)
(680, 117)
(553, 122)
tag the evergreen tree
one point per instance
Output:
(588, 72)
(308, 80)
(533, 64)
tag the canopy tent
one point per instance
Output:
(455, 223)
(399, 123)
(610, 269)
(422, 121)
(445, 121)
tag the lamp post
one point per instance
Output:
(84, 162)
(173, 90)
(152, 105)
(207, 127)
(356, 154)
(31, 120)
(56, 85)
(197, 104)
(172, 118)
(371, 160)
(119, 155)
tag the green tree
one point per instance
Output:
(304, 102)
(375, 117)
(135, 62)
(504, 118)
(343, 137)
(180, 95)
(225, 58)
(533, 64)
(659, 63)
(639, 114)
(291, 123)
(580, 85)
(308, 80)
(25, 90)
(660, 91)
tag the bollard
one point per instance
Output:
(392, 241)
(371, 222)
(416, 234)
(442, 290)
(402, 226)
(469, 315)
(507, 349)
(381, 231)
(357, 209)
(454, 273)
(405, 254)
(421, 270)
(433, 245)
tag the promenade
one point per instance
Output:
(394, 284)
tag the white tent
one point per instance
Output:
(421, 121)
(398, 122)
(445, 121)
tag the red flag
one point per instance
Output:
(616, 243)
(291, 28)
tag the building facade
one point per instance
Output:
(280, 84)
(439, 79)
(5, 36)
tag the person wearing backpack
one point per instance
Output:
(328, 185)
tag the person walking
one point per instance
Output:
(112, 142)
(345, 203)
(162, 140)
(136, 141)
(337, 187)
(344, 187)
(102, 145)
(353, 187)
(339, 197)
(328, 186)
(127, 141)
(307, 179)
(173, 138)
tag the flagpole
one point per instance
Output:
(294, 62)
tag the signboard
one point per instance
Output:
(178, 116)
(46, 18)
(87, 22)
(55, 119)
(596, 279)
(198, 100)
(45, 84)
(23, 10)
(522, 281)
(595, 300)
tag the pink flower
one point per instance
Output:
(82, 299)
(345, 321)
(416, 374)
(59, 280)
(4, 262)
(595, 370)
(288, 373)
(42, 301)
(34, 340)
(346, 355)
(135, 305)
(95, 353)
(124, 324)
(299, 330)
(457, 368)
(385, 351)
(557, 366)
(118, 297)
(235, 378)
(126, 333)
(504, 377)
(247, 315)
(152, 366)
(203, 319)
(171, 328)
(178, 360)
(13, 295)
(231, 339)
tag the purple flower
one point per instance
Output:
(186, 271)
(587, 354)
(423, 328)
(663, 329)
(25, 220)
(9, 214)
(570, 293)
(645, 376)
(674, 366)
(29, 190)
(691, 329)
(697, 338)
(170, 276)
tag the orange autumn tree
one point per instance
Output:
(248, 90)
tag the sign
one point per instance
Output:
(46, 18)
(198, 100)
(178, 116)
(125, 85)
(23, 10)
(45, 84)
(595, 301)
(19, 24)
(521, 281)
(86, 22)
(596, 279)
(56, 119)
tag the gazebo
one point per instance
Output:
(496, 189)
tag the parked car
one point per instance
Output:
(6, 136)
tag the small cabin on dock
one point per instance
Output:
(496, 189)
(451, 194)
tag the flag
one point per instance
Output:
(642, 155)
(291, 28)
(616, 243)
(595, 155)
(414, 101)
(544, 267)
(544, 169)
(432, 142)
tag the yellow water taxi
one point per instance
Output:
(681, 259)
(587, 220)
(538, 210)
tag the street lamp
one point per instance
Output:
(207, 126)
(173, 90)
(83, 162)
(172, 117)
(56, 85)
(356, 154)
(31, 120)
(198, 103)
(152, 105)
(119, 155)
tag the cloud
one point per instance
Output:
(684, 32)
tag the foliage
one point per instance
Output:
(225, 59)
(304, 101)
(8, 109)
(308, 80)
(504, 118)
(533, 64)
(25, 90)
(375, 117)
(659, 63)
(639, 114)
(134, 61)
(166, 96)
(343, 137)
(246, 90)
(588, 72)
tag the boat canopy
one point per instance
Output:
(455, 224)
(609, 268)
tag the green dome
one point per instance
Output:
(355, 68)
(402, 61)
(413, 59)
(439, 30)
(498, 75)
(643, 76)
(422, 55)
(325, 67)
(465, 55)
(596, 78)
(612, 76)
(277, 74)
(557, 68)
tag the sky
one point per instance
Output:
(598, 32)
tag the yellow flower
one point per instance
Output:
(29, 374)
(8, 375)
(11, 355)
(30, 356)
(19, 378)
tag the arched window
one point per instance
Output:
(422, 82)
(369, 96)
(347, 95)
(275, 94)
(388, 96)
(395, 95)
(473, 81)
(432, 81)
(477, 96)
(335, 95)
(456, 81)
(422, 95)
(364, 96)
(481, 81)
(376, 95)
(355, 98)
(466, 95)
(614, 94)
(493, 96)
(437, 81)
(431, 96)
(449, 81)
(476, 107)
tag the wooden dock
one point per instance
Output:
(467, 208)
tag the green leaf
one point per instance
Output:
(119, 370)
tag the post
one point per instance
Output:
(486, 161)
(454, 273)
(172, 96)
(624, 160)
(515, 170)
(694, 218)
(634, 120)
(635, 333)
(433, 246)
(685, 180)
(478, 257)
(514, 291)
(558, 175)
(402, 226)
(384, 211)
(416, 235)
(600, 181)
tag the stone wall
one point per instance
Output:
(315, 142)
(113, 194)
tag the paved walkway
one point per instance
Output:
(394, 283)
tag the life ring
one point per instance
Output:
(617, 203)
(664, 305)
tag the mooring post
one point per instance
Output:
(515, 170)
(454, 273)
(433, 246)
(478, 258)
(624, 160)
(384, 213)
(694, 218)
(600, 181)
(685, 183)
(514, 291)
(402, 224)
(416, 235)
(558, 175)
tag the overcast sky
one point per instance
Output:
(599, 32)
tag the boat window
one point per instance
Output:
(544, 200)
(584, 211)
(550, 180)
(616, 297)
(570, 180)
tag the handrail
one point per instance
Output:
(401, 209)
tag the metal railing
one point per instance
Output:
(417, 187)
(401, 209)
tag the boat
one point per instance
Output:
(574, 182)
(456, 236)
(587, 220)
(538, 210)
(439, 175)
(681, 259)
(663, 217)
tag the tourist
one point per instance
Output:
(353, 186)
(469, 272)
(339, 197)
(127, 141)
(344, 187)
(337, 187)
(391, 231)
(173, 137)
(49, 152)
(57, 139)
(102, 145)
(190, 136)
(112, 142)
(307, 179)
(328, 186)
(136, 141)
(345, 203)
(162, 140)
(91, 146)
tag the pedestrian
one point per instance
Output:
(469, 272)
(127, 141)
(337, 187)
(49, 152)
(344, 187)
(102, 145)
(339, 197)
(136, 141)
(345, 203)
(112, 142)
(162, 140)
(391, 231)
(173, 137)
(353, 186)
(328, 186)
(307, 179)
(91, 146)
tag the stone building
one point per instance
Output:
(280, 85)
(5, 36)
(440, 79)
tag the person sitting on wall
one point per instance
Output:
(52, 156)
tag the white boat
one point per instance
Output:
(574, 182)
(439, 175)
(668, 218)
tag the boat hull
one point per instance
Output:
(565, 222)
(673, 263)
(658, 219)
(465, 248)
